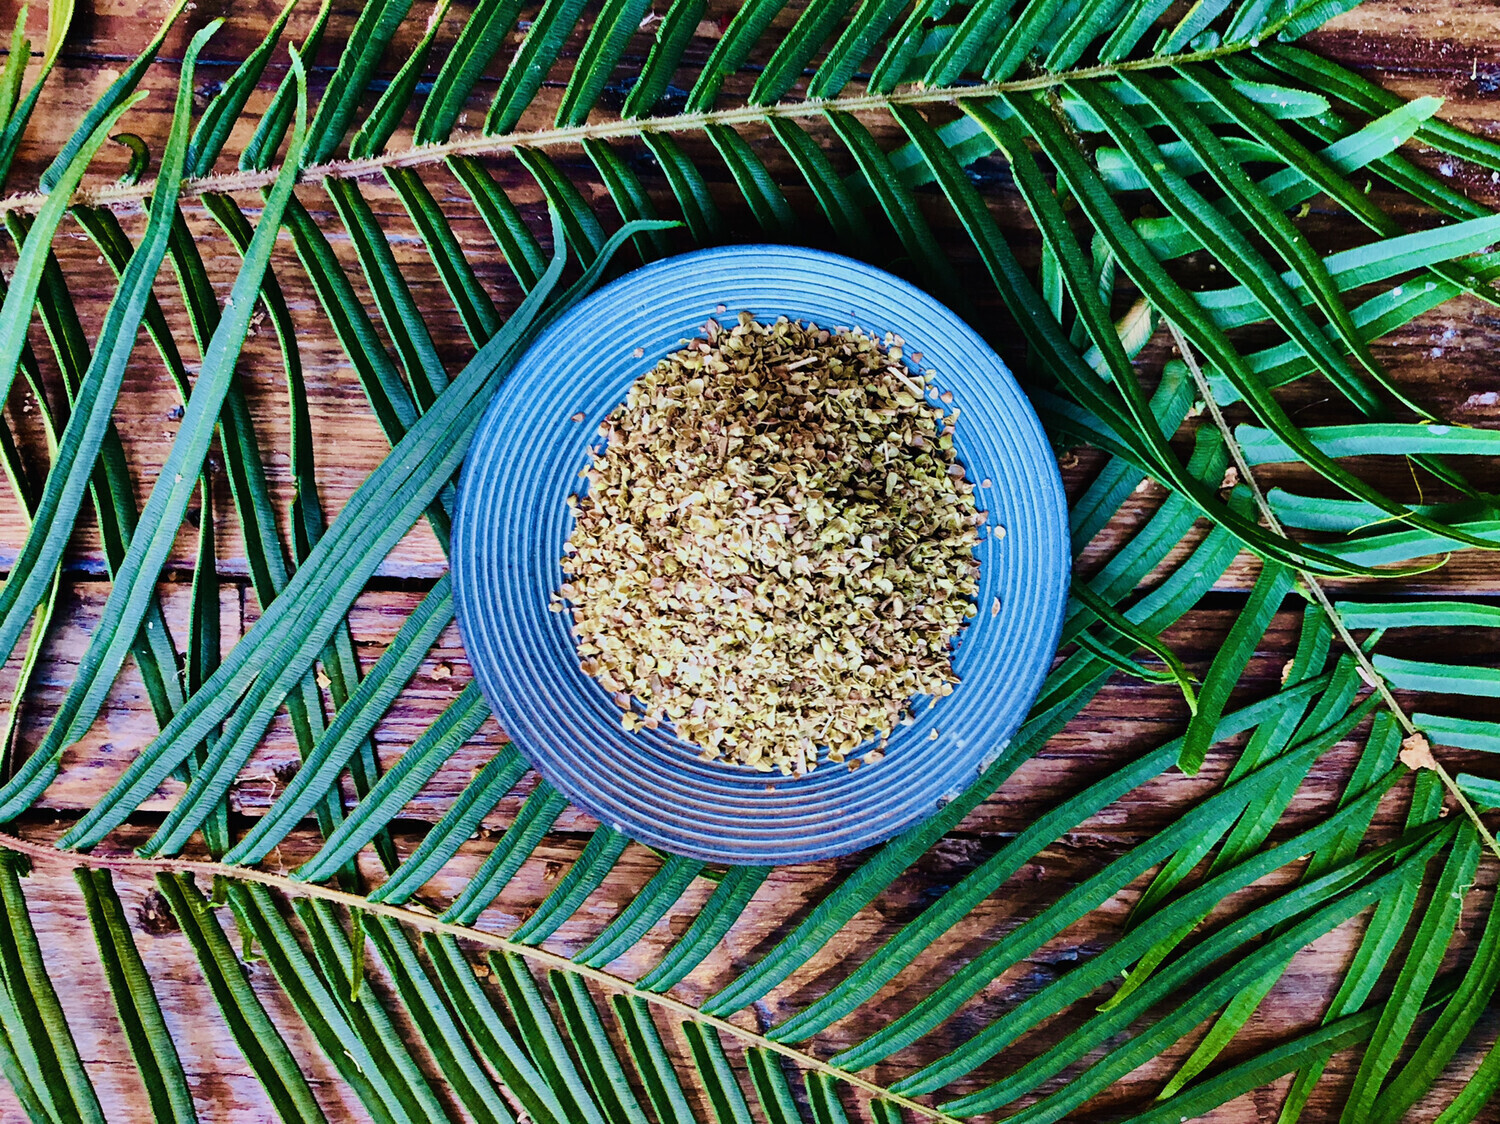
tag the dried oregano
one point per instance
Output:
(775, 548)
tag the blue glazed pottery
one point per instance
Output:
(513, 520)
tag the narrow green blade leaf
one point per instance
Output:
(844, 214)
(823, 1096)
(596, 1051)
(616, 23)
(716, 1074)
(1260, 1071)
(746, 29)
(652, 1061)
(1462, 733)
(536, 56)
(796, 49)
(400, 783)
(271, 130)
(522, 251)
(584, 233)
(585, 876)
(31, 991)
(544, 1040)
(698, 208)
(480, 38)
(492, 1040)
(649, 906)
(398, 307)
(1450, 1029)
(1230, 661)
(462, 1073)
(673, 34)
(1452, 679)
(767, 203)
(348, 1032)
(983, 881)
(979, 26)
(900, 207)
(959, 987)
(82, 440)
(1339, 907)
(459, 822)
(629, 194)
(854, 45)
(1417, 972)
(367, 43)
(203, 647)
(256, 1036)
(771, 1087)
(532, 822)
(723, 908)
(108, 107)
(26, 276)
(391, 107)
(475, 308)
(223, 111)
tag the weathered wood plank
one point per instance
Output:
(1441, 46)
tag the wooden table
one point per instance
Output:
(1445, 47)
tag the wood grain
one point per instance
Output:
(1445, 47)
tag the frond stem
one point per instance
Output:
(1315, 588)
(290, 887)
(479, 144)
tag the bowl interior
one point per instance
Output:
(513, 520)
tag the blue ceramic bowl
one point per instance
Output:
(513, 520)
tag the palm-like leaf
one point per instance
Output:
(1218, 121)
